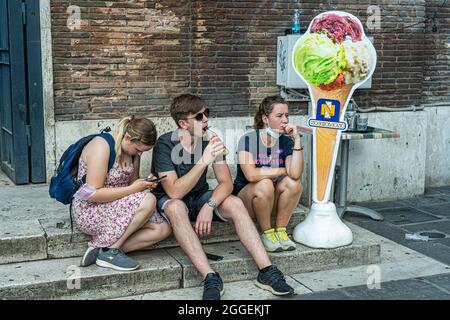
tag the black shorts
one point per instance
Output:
(238, 187)
(194, 204)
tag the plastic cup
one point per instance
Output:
(361, 122)
(211, 134)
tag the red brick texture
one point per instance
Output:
(134, 56)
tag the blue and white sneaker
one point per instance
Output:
(116, 259)
(89, 257)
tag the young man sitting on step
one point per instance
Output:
(183, 156)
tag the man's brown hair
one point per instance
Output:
(185, 104)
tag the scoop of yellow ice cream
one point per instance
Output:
(318, 59)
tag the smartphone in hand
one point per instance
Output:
(155, 179)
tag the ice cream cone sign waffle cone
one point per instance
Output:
(334, 57)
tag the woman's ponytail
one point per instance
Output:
(121, 131)
(257, 120)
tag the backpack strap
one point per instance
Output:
(112, 152)
(112, 158)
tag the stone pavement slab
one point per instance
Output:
(441, 280)
(405, 215)
(22, 241)
(18, 203)
(435, 202)
(375, 205)
(324, 295)
(240, 290)
(442, 226)
(439, 210)
(433, 249)
(427, 200)
(409, 289)
(397, 263)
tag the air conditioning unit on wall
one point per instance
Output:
(286, 76)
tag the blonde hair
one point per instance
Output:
(141, 130)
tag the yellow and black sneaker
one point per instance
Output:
(271, 241)
(286, 242)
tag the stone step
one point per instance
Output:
(22, 241)
(52, 238)
(165, 269)
(63, 279)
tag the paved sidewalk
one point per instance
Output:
(424, 215)
(435, 287)
(427, 215)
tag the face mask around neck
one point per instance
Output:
(272, 133)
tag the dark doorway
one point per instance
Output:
(22, 147)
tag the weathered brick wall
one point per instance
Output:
(436, 81)
(134, 56)
(128, 57)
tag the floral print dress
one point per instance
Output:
(106, 222)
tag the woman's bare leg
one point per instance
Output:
(149, 234)
(258, 199)
(288, 192)
(143, 213)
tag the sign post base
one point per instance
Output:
(322, 228)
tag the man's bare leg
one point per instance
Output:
(186, 237)
(232, 208)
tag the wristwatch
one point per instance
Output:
(212, 203)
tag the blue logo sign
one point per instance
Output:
(327, 116)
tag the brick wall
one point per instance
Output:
(436, 80)
(134, 56)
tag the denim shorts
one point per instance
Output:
(194, 204)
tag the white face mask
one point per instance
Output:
(272, 133)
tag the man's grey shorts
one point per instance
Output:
(194, 204)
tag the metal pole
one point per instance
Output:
(343, 174)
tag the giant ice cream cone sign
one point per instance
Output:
(334, 57)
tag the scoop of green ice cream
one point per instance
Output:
(318, 59)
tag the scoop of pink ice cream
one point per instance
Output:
(337, 27)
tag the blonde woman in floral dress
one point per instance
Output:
(120, 213)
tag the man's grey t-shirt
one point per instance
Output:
(169, 155)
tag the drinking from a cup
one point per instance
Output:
(211, 134)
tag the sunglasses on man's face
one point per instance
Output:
(199, 116)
